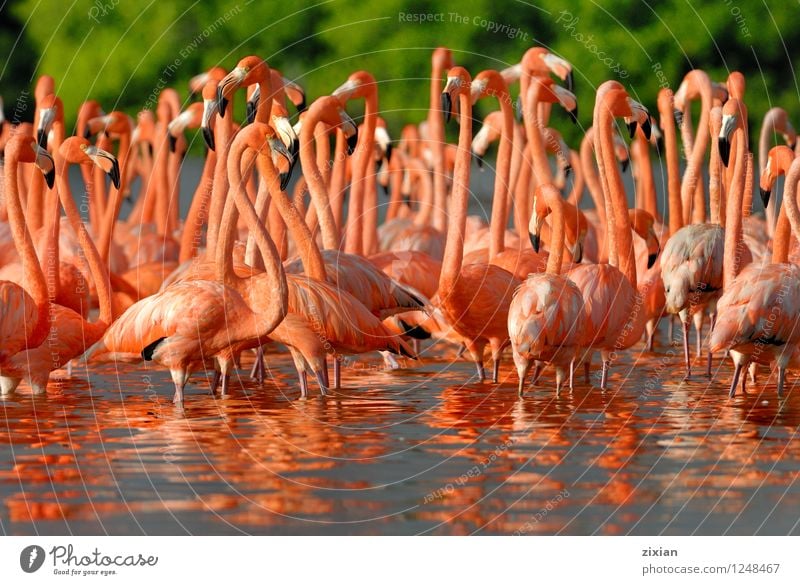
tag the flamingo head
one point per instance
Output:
(191, 117)
(248, 71)
(778, 162)
(78, 150)
(458, 84)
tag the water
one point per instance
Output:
(413, 451)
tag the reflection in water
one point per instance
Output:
(410, 451)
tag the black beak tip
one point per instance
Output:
(625, 164)
(790, 145)
(115, 175)
(222, 103)
(518, 108)
(724, 151)
(647, 128)
(352, 141)
(301, 107)
(567, 169)
(651, 259)
(389, 152)
(50, 178)
(173, 143)
(578, 255)
(42, 138)
(385, 190)
(571, 82)
(208, 136)
(632, 129)
(250, 115)
(447, 104)
(535, 241)
(87, 134)
(478, 160)
(765, 193)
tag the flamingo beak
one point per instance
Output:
(652, 240)
(280, 150)
(478, 160)
(46, 119)
(450, 88)
(570, 81)
(518, 108)
(389, 148)
(345, 91)
(289, 140)
(535, 241)
(296, 94)
(350, 131)
(44, 161)
(209, 109)
(651, 259)
(765, 193)
(631, 128)
(647, 129)
(625, 163)
(106, 161)
(577, 252)
(230, 83)
(728, 124)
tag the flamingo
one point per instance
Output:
(758, 313)
(613, 304)
(70, 334)
(474, 298)
(24, 312)
(775, 120)
(546, 316)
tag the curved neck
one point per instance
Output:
(437, 144)
(270, 313)
(456, 228)
(646, 186)
(338, 178)
(502, 179)
(590, 174)
(115, 202)
(790, 213)
(96, 265)
(694, 166)
(223, 134)
(675, 206)
(316, 186)
(310, 255)
(620, 240)
(418, 171)
(533, 128)
(557, 229)
(34, 281)
(732, 261)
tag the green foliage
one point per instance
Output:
(120, 52)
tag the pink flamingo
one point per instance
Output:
(546, 316)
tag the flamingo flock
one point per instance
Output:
(255, 269)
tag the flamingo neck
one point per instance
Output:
(533, 127)
(97, 267)
(34, 281)
(338, 178)
(673, 172)
(316, 185)
(557, 231)
(223, 135)
(113, 206)
(502, 179)
(732, 261)
(456, 229)
(620, 240)
(437, 143)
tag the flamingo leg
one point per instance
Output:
(323, 383)
(604, 376)
(753, 369)
(495, 370)
(225, 379)
(698, 325)
(710, 356)
(737, 370)
(686, 348)
(571, 374)
(586, 375)
(671, 328)
(523, 366)
(781, 380)
(215, 381)
(69, 369)
(178, 398)
(337, 374)
(303, 384)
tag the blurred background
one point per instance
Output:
(121, 52)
